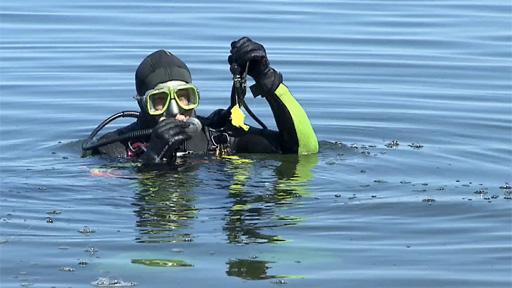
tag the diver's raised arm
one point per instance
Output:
(296, 134)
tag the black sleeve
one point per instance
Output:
(295, 135)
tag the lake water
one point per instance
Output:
(361, 213)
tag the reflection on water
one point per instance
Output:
(248, 269)
(251, 269)
(253, 208)
(166, 201)
(165, 205)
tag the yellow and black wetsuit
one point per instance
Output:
(295, 133)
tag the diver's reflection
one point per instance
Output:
(165, 207)
(253, 213)
(248, 269)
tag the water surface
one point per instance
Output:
(361, 213)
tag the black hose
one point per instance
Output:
(87, 145)
(239, 90)
(125, 136)
(249, 111)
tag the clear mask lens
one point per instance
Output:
(158, 102)
(187, 97)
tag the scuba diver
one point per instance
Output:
(167, 127)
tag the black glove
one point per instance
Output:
(244, 51)
(166, 137)
(217, 119)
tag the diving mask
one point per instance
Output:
(171, 98)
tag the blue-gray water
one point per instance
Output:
(359, 214)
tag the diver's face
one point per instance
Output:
(184, 115)
(181, 116)
(175, 97)
(159, 101)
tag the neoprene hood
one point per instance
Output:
(159, 67)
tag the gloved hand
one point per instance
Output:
(244, 51)
(217, 119)
(168, 135)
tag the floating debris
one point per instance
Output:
(91, 251)
(54, 212)
(506, 187)
(82, 263)
(429, 201)
(280, 281)
(49, 220)
(379, 181)
(67, 269)
(393, 144)
(362, 171)
(337, 195)
(405, 182)
(415, 145)
(480, 191)
(107, 282)
(162, 262)
(354, 146)
(86, 230)
(495, 196)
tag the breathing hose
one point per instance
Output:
(89, 144)
(239, 90)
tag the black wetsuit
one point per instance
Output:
(295, 133)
